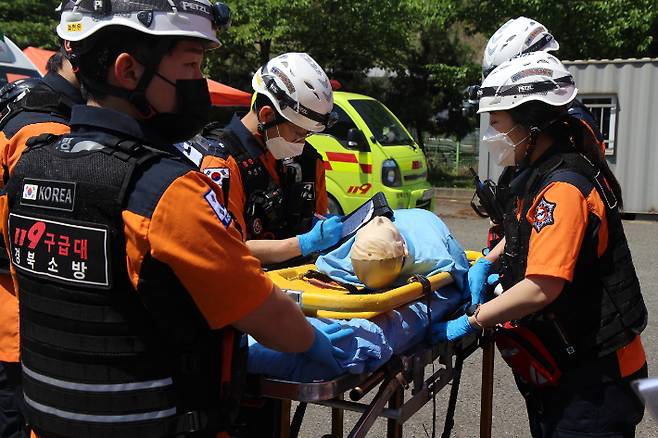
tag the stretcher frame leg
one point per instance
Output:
(337, 417)
(284, 415)
(394, 427)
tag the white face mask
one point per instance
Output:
(282, 148)
(500, 145)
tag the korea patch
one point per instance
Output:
(222, 213)
(217, 174)
(49, 194)
(543, 214)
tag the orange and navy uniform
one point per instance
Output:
(255, 145)
(199, 243)
(559, 217)
(175, 228)
(13, 137)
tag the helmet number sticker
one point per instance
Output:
(74, 27)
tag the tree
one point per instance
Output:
(434, 71)
(30, 22)
(346, 37)
(585, 29)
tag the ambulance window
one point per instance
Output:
(383, 125)
(340, 128)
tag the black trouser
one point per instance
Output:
(607, 410)
(12, 423)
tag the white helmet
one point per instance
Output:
(533, 76)
(177, 18)
(517, 36)
(299, 90)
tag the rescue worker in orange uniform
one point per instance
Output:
(134, 285)
(275, 181)
(571, 293)
(29, 107)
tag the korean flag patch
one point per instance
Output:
(217, 174)
(543, 214)
(222, 213)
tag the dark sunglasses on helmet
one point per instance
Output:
(221, 16)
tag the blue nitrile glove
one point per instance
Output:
(324, 349)
(451, 330)
(493, 279)
(323, 235)
(477, 279)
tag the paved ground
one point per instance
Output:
(509, 418)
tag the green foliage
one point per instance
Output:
(585, 29)
(30, 22)
(424, 46)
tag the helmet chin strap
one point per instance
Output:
(532, 144)
(533, 136)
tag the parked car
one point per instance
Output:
(13, 63)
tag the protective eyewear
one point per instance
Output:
(471, 94)
(221, 16)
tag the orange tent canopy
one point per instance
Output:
(223, 95)
(39, 57)
(220, 94)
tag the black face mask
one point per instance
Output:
(192, 111)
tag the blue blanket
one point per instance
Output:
(432, 249)
(373, 344)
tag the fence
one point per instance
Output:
(450, 159)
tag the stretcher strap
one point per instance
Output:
(297, 419)
(454, 392)
(427, 292)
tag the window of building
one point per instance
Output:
(604, 110)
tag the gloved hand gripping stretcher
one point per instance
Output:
(390, 345)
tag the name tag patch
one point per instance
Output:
(222, 213)
(53, 195)
(63, 251)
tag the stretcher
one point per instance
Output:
(332, 300)
(405, 370)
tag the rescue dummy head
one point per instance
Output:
(378, 253)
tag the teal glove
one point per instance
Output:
(451, 330)
(323, 235)
(324, 349)
(477, 279)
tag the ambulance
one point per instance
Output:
(367, 151)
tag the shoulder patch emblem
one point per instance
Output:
(222, 213)
(543, 214)
(217, 174)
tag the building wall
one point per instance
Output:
(635, 161)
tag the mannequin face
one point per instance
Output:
(502, 121)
